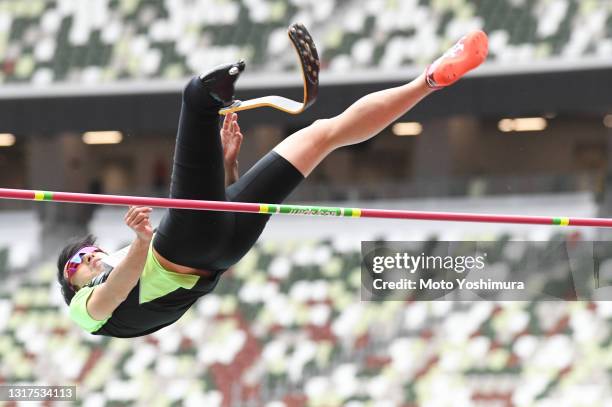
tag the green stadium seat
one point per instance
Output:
(379, 35)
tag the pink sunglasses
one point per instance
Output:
(75, 261)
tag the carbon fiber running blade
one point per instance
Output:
(309, 61)
(309, 58)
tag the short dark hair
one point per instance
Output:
(67, 252)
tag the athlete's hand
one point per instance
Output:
(231, 138)
(137, 219)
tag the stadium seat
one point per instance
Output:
(155, 39)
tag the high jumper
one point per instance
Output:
(154, 281)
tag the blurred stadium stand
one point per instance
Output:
(46, 41)
(285, 327)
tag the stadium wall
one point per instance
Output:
(512, 95)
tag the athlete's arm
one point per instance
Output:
(231, 173)
(231, 138)
(108, 295)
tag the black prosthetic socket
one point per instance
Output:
(214, 89)
(220, 81)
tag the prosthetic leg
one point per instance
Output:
(309, 60)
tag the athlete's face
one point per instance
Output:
(90, 267)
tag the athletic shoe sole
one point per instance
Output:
(468, 53)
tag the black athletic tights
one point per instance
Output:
(215, 240)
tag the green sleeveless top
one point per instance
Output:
(159, 298)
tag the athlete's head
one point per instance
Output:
(78, 264)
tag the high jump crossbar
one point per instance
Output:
(100, 199)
